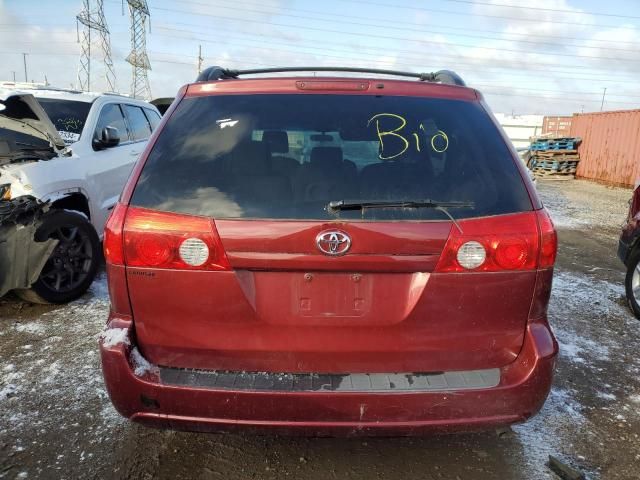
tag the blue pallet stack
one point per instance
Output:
(554, 156)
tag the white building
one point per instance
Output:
(520, 128)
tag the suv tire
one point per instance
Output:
(633, 278)
(73, 264)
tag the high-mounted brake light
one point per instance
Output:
(332, 85)
(166, 240)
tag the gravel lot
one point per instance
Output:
(57, 422)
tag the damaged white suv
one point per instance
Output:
(74, 152)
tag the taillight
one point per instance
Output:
(112, 242)
(549, 240)
(172, 241)
(492, 244)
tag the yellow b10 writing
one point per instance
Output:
(439, 141)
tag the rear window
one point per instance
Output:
(288, 156)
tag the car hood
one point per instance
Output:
(20, 112)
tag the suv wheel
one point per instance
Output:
(73, 264)
(632, 282)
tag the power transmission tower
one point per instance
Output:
(94, 19)
(84, 69)
(138, 13)
(105, 42)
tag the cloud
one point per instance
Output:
(522, 66)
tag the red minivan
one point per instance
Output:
(329, 256)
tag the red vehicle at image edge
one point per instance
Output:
(329, 256)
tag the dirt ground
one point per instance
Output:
(56, 420)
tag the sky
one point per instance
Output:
(548, 57)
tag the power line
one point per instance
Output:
(486, 92)
(514, 73)
(388, 37)
(559, 10)
(530, 89)
(596, 101)
(449, 12)
(410, 54)
(388, 26)
(560, 39)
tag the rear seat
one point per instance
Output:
(326, 177)
(278, 143)
(252, 181)
(404, 178)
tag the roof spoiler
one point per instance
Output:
(446, 77)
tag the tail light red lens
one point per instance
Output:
(512, 253)
(549, 240)
(139, 237)
(160, 239)
(510, 243)
(112, 241)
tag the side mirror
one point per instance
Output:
(109, 137)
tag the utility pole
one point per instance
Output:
(138, 58)
(24, 60)
(200, 59)
(603, 94)
(14, 76)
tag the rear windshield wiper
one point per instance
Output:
(336, 206)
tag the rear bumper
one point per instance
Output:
(139, 394)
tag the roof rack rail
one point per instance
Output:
(442, 76)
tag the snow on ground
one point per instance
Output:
(579, 203)
(563, 414)
(53, 374)
(592, 325)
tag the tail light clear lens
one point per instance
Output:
(172, 241)
(471, 255)
(194, 252)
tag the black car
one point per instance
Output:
(629, 253)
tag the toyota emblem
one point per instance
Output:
(333, 242)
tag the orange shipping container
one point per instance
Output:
(610, 148)
(557, 126)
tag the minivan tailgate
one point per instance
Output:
(287, 307)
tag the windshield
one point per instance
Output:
(68, 116)
(288, 156)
